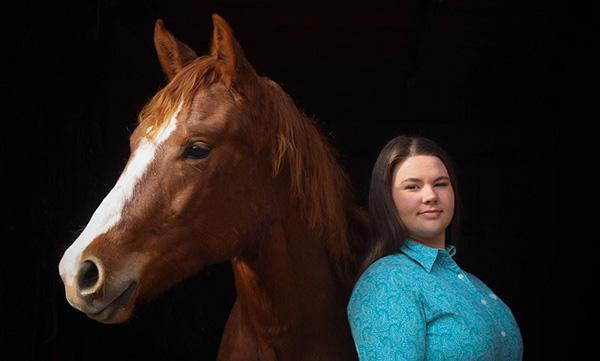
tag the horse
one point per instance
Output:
(225, 167)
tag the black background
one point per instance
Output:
(499, 84)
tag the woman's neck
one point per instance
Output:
(431, 243)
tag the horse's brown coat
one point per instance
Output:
(270, 196)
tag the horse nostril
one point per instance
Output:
(88, 277)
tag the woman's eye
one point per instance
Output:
(441, 184)
(196, 151)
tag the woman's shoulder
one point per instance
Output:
(390, 277)
(395, 270)
(398, 266)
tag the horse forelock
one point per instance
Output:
(179, 92)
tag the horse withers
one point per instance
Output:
(223, 166)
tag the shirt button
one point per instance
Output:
(461, 277)
(493, 296)
(484, 302)
(503, 334)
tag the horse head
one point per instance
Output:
(222, 165)
(194, 187)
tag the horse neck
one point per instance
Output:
(290, 260)
(288, 284)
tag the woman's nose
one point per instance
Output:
(429, 195)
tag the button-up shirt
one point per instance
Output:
(418, 304)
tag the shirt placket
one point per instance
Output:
(487, 301)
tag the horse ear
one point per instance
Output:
(173, 54)
(228, 54)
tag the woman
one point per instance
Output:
(413, 302)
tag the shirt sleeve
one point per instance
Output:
(387, 319)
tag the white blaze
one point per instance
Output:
(110, 210)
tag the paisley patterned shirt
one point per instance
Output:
(419, 305)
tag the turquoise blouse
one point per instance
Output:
(419, 305)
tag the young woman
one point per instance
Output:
(413, 302)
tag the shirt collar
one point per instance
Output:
(424, 255)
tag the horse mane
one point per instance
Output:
(319, 185)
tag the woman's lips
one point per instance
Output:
(434, 213)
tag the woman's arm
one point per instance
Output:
(387, 320)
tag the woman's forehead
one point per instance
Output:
(420, 166)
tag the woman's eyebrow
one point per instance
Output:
(443, 177)
(411, 180)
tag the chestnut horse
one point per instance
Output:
(224, 167)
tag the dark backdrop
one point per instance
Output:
(497, 83)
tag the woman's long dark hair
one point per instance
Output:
(387, 233)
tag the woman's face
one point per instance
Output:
(424, 199)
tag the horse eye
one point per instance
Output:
(196, 151)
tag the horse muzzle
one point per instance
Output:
(103, 297)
